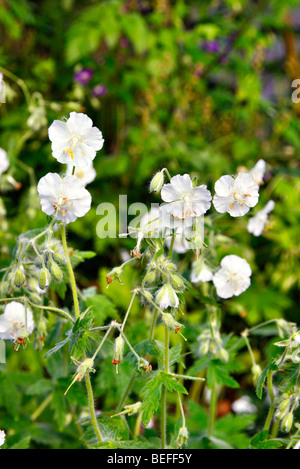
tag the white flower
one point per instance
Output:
(235, 196)
(2, 89)
(201, 275)
(184, 200)
(233, 278)
(256, 224)
(4, 162)
(258, 171)
(12, 321)
(244, 405)
(75, 141)
(86, 174)
(2, 437)
(66, 197)
(166, 296)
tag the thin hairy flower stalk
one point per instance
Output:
(41, 407)
(179, 400)
(102, 342)
(129, 309)
(249, 350)
(272, 399)
(129, 344)
(70, 270)
(92, 407)
(126, 392)
(77, 315)
(164, 395)
(152, 329)
(137, 426)
(61, 312)
(20, 163)
(212, 409)
(18, 81)
(187, 377)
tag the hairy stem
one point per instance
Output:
(272, 398)
(77, 315)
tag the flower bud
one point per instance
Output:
(171, 323)
(287, 422)
(150, 277)
(118, 351)
(55, 271)
(19, 277)
(44, 278)
(147, 295)
(223, 355)
(177, 282)
(256, 372)
(157, 182)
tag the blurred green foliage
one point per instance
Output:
(197, 87)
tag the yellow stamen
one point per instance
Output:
(70, 152)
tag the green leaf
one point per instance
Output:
(271, 367)
(80, 256)
(151, 393)
(217, 371)
(22, 444)
(260, 441)
(59, 345)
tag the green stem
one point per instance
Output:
(212, 409)
(92, 407)
(152, 330)
(128, 310)
(41, 407)
(77, 314)
(71, 272)
(164, 395)
(126, 392)
(272, 398)
(18, 81)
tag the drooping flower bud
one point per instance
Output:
(44, 278)
(55, 271)
(157, 182)
(287, 422)
(177, 282)
(19, 277)
(118, 351)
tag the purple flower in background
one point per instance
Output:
(84, 76)
(99, 90)
(124, 42)
(212, 47)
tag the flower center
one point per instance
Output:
(73, 141)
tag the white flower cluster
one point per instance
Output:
(75, 143)
(184, 205)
